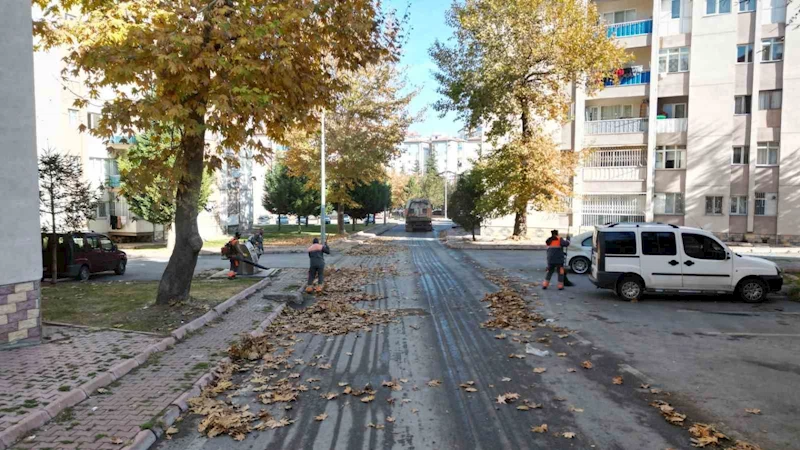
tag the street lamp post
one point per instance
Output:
(445, 173)
(322, 184)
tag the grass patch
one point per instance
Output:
(64, 388)
(289, 235)
(30, 404)
(201, 366)
(99, 436)
(67, 415)
(792, 286)
(131, 305)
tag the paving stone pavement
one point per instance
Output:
(31, 377)
(141, 395)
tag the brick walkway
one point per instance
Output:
(137, 398)
(31, 377)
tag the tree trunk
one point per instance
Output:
(521, 224)
(384, 216)
(353, 227)
(176, 281)
(279, 222)
(340, 220)
(53, 244)
(473, 234)
(521, 218)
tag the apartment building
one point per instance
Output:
(454, 155)
(703, 128)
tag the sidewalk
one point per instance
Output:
(110, 418)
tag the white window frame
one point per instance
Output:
(670, 109)
(625, 14)
(748, 53)
(744, 155)
(767, 203)
(768, 47)
(672, 4)
(592, 113)
(717, 11)
(747, 6)
(73, 116)
(665, 201)
(674, 53)
(104, 206)
(617, 111)
(678, 153)
(764, 156)
(716, 203)
(772, 99)
(738, 205)
(749, 105)
(92, 118)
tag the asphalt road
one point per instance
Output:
(710, 377)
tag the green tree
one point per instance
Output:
(149, 192)
(307, 203)
(232, 69)
(67, 200)
(363, 134)
(368, 199)
(432, 183)
(464, 202)
(282, 191)
(511, 68)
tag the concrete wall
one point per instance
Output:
(20, 241)
(789, 180)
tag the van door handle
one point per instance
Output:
(673, 263)
(689, 263)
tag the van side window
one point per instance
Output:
(587, 242)
(92, 242)
(106, 244)
(77, 242)
(659, 243)
(620, 243)
(702, 247)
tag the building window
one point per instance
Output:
(628, 15)
(713, 205)
(741, 155)
(616, 112)
(669, 203)
(738, 205)
(623, 157)
(747, 5)
(670, 157)
(718, 6)
(742, 104)
(102, 212)
(772, 49)
(676, 9)
(73, 117)
(770, 99)
(92, 120)
(673, 60)
(744, 53)
(767, 154)
(674, 110)
(766, 204)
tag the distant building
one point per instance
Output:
(454, 155)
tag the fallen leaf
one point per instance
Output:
(102, 391)
(508, 396)
(571, 370)
(539, 370)
(505, 379)
(644, 386)
(517, 356)
(414, 410)
(404, 380)
(116, 440)
(562, 336)
(171, 430)
(500, 336)
(587, 364)
(561, 354)
(348, 390)
(343, 383)
(574, 409)
(703, 435)
(390, 419)
(540, 429)
(375, 426)
(367, 399)
(434, 383)
(568, 434)
(321, 417)
(294, 375)
(617, 380)
(310, 380)
(349, 353)
(755, 411)
(324, 366)
(330, 395)
(655, 391)
(523, 407)
(471, 389)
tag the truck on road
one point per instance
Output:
(419, 213)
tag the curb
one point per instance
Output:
(462, 246)
(39, 417)
(146, 438)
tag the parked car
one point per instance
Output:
(262, 220)
(81, 254)
(327, 219)
(369, 219)
(634, 258)
(579, 253)
(284, 220)
(346, 219)
(438, 212)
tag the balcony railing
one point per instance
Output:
(113, 181)
(616, 126)
(638, 78)
(671, 125)
(625, 29)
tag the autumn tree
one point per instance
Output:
(64, 198)
(231, 69)
(364, 131)
(399, 195)
(511, 70)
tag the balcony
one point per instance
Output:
(634, 79)
(671, 125)
(113, 181)
(616, 126)
(627, 29)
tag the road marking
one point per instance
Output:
(717, 333)
(635, 372)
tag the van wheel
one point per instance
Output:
(121, 265)
(83, 273)
(579, 265)
(752, 290)
(630, 288)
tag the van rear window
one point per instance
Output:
(620, 242)
(659, 243)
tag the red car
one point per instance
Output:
(81, 254)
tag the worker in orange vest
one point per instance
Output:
(233, 254)
(555, 259)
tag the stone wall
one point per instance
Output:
(20, 317)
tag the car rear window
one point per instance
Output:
(620, 242)
(659, 243)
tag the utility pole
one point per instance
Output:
(322, 185)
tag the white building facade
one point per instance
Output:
(454, 155)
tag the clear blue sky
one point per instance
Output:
(426, 24)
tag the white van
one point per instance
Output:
(634, 258)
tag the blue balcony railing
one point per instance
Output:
(625, 29)
(638, 78)
(114, 181)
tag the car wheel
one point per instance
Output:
(630, 288)
(580, 265)
(83, 273)
(753, 290)
(121, 265)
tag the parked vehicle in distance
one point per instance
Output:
(579, 252)
(262, 220)
(418, 214)
(346, 219)
(283, 220)
(438, 212)
(81, 254)
(634, 258)
(327, 219)
(369, 219)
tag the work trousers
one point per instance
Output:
(550, 269)
(316, 271)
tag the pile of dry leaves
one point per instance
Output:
(331, 317)
(374, 247)
(508, 310)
